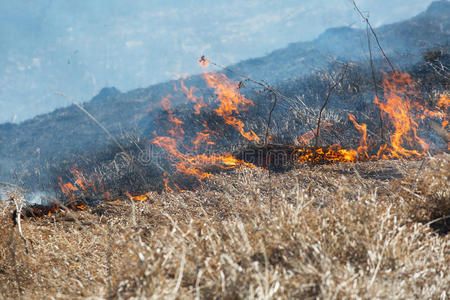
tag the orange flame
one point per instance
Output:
(201, 139)
(404, 115)
(308, 136)
(141, 198)
(363, 148)
(397, 106)
(166, 183)
(203, 61)
(231, 101)
(81, 184)
(331, 154)
(79, 179)
(189, 92)
(194, 164)
(444, 105)
(444, 101)
(68, 189)
(177, 129)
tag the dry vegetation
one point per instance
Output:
(346, 230)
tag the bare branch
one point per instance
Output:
(330, 90)
(366, 19)
(108, 133)
(270, 118)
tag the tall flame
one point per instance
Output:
(176, 130)
(362, 128)
(444, 105)
(398, 89)
(404, 115)
(231, 102)
(190, 95)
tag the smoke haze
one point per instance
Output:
(78, 49)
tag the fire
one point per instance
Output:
(80, 179)
(81, 207)
(190, 95)
(166, 183)
(333, 153)
(398, 106)
(204, 138)
(444, 105)
(404, 115)
(308, 137)
(231, 102)
(45, 210)
(81, 185)
(68, 189)
(363, 148)
(194, 163)
(177, 129)
(201, 139)
(203, 61)
(142, 198)
(444, 101)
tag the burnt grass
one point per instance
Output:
(143, 165)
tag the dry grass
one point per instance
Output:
(325, 232)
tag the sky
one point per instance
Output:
(79, 47)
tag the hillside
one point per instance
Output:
(403, 41)
(50, 45)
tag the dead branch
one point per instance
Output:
(375, 86)
(17, 196)
(330, 90)
(437, 220)
(270, 118)
(109, 134)
(366, 19)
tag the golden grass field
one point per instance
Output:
(359, 231)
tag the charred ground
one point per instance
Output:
(118, 174)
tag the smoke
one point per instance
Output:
(120, 48)
(41, 198)
(3, 196)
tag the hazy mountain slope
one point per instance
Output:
(79, 47)
(403, 42)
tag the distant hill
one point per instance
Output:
(53, 136)
(403, 42)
